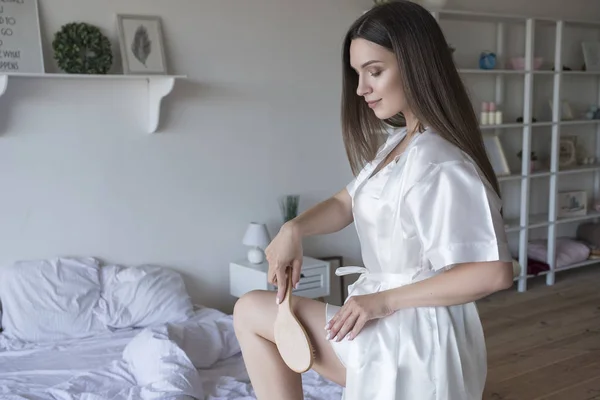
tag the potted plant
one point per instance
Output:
(289, 207)
(532, 160)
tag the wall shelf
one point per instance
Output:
(159, 86)
(545, 173)
(541, 124)
(532, 197)
(476, 71)
(475, 16)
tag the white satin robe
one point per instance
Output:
(425, 211)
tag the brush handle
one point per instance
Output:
(287, 299)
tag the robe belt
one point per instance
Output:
(379, 280)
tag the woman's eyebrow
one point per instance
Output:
(369, 63)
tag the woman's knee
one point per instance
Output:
(247, 306)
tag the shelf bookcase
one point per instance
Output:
(530, 36)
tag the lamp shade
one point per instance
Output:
(257, 235)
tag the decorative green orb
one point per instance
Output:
(81, 48)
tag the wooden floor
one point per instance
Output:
(545, 343)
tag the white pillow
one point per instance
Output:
(49, 300)
(146, 295)
(206, 338)
(568, 251)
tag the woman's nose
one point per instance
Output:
(362, 88)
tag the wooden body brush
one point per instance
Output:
(291, 338)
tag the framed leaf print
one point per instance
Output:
(141, 42)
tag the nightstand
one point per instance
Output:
(245, 276)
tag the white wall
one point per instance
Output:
(257, 118)
(577, 9)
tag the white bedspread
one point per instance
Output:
(228, 380)
(198, 359)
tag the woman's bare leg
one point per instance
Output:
(254, 316)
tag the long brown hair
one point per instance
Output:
(432, 85)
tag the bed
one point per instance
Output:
(75, 329)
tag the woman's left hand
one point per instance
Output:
(358, 310)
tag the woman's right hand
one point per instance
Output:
(285, 250)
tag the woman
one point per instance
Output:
(427, 210)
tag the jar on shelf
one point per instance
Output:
(532, 161)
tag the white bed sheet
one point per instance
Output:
(198, 360)
(228, 380)
(29, 368)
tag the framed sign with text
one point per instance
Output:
(20, 38)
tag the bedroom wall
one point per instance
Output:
(578, 9)
(257, 118)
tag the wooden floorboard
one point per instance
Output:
(544, 344)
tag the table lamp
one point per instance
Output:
(257, 237)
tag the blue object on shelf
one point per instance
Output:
(487, 60)
(593, 112)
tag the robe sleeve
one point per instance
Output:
(457, 217)
(350, 187)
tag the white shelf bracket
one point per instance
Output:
(158, 88)
(3, 84)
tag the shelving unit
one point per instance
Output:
(557, 38)
(159, 86)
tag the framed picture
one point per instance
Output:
(20, 37)
(567, 151)
(591, 55)
(566, 113)
(141, 42)
(496, 154)
(572, 204)
(339, 289)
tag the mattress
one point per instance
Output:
(198, 359)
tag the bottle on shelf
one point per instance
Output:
(490, 115)
(498, 117)
(484, 113)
